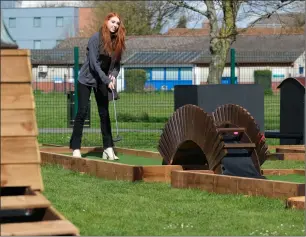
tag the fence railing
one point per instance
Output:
(145, 84)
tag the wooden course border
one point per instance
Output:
(111, 170)
(293, 192)
(282, 152)
(283, 171)
(286, 156)
(287, 152)
(236, 185)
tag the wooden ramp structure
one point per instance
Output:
(197, 140)
(190, 139)
(236, 121)
(24, 209)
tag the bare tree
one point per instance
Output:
(223, 17)
(160, 13)
(50, 4)
(140, 17)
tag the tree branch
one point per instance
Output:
(212, 17)
(268, 14)
(182, 4)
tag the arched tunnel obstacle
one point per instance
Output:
(196, 139)
(190, 138)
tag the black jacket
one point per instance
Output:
(96, 68)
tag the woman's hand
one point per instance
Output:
(111, 85)
(112, 78)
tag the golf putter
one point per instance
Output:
(117, 138)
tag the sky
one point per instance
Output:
(194, 22)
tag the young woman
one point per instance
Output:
(99, 72)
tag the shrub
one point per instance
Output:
(135, 80)
(264, 78)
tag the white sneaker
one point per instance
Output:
(109, 154)
(76, 153)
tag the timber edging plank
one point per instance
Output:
(296, 202)
(111, 170)
(283, 171)
(224, 184)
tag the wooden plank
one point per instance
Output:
(294, 156)
(291, 150)
(21, 175)
(222, 130)
(278, 171)
(299, 171)
(202, 171)
(296, 202)
(16, 66)
(116, 171)
(239, 145)
(100, 168)
(19, 150)
(18, 123)
(24, 201)
(17, 96)
(236, 185)
(43, 228)
(158, 173)
(286, 146)
(190, 179)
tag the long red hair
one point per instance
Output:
(119, 44)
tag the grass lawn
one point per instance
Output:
(290, 178)
(145, 111)
(283, 164)
(101, 207)
(135, 110)
(126, 159)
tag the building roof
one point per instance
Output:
(250, 57)
(283, 43)
(161, 49)
(161, 57)
(258, 30)
(53, 57)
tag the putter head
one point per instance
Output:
(117, 139)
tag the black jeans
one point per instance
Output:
(102, 103)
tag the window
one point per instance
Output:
(37, 22)
(37, 44)
(301, 70)
(12, 22)
(171, 73)
(157, 74)
(186, 74)
(59, 21)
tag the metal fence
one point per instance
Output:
(145, 84)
